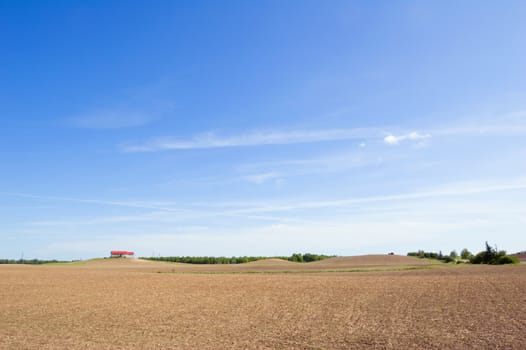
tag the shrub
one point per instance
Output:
(493, 257)
(507, 259)
(448, 259)
(477, 259)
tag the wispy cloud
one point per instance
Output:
(413, 136)
(111, 119)
(212, 140)
(130, 204)
(511, 124)
(260, 172)
(261, 178)
(195, 209)
(447, 190)
(235, 208)
(501, 125)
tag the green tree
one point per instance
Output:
(465, 254)
(297, 257)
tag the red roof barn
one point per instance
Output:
(121, 253)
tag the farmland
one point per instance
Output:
(383, 302)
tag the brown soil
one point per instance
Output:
(373, 260)
(116, 306)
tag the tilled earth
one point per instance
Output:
(472, 307)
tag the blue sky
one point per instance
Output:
(261, 127)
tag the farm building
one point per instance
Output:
(121, 254)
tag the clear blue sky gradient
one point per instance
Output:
(261, 127)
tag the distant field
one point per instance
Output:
(355, 263)
(381, 302)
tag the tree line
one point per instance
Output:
(296, 257)
(490, 255)
(28, 261)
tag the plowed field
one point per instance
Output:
(130, 305)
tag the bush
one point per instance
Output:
(431, 255)
(297, 257)
(507, 259)
(493, 257)
(477, 259)
(448, 259)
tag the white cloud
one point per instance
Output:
(211, 140)
(395, 140)
(391, 140)
(512, 124)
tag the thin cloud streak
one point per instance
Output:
(511, 124)
(446, 191)
(259, 173)
(261, 178)
(211, 140)
(365, 210)
(503, 125)
(131, 204)
(249, 210)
